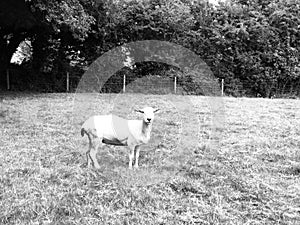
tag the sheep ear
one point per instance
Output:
(138, 110)
(156, 110)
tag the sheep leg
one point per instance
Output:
(88, 156)
(131, 156)
(93, 154)
(137, 154)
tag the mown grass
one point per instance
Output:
(244, 171)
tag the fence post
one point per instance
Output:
(222, 86)
(124, 83)
(7, 80)
(68, 82)
(175, 84)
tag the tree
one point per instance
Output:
(254, 45)
(39, 21)
(16, 23)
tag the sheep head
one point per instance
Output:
(148, 114)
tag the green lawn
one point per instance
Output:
(209, 161)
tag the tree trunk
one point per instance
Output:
(7, 49)
(16, 20)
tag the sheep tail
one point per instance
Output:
(83, 131)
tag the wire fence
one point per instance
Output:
(160, 85)
(152, 84)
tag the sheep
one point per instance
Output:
(114, 130)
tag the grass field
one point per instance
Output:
(244, 169)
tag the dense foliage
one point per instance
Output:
(253, 45)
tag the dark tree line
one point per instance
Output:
(252, 44)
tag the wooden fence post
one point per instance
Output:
(124, 83)
(68, 81)
(175, 84)
(7, 79)
(222, 86)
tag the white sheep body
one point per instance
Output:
(114, 130)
